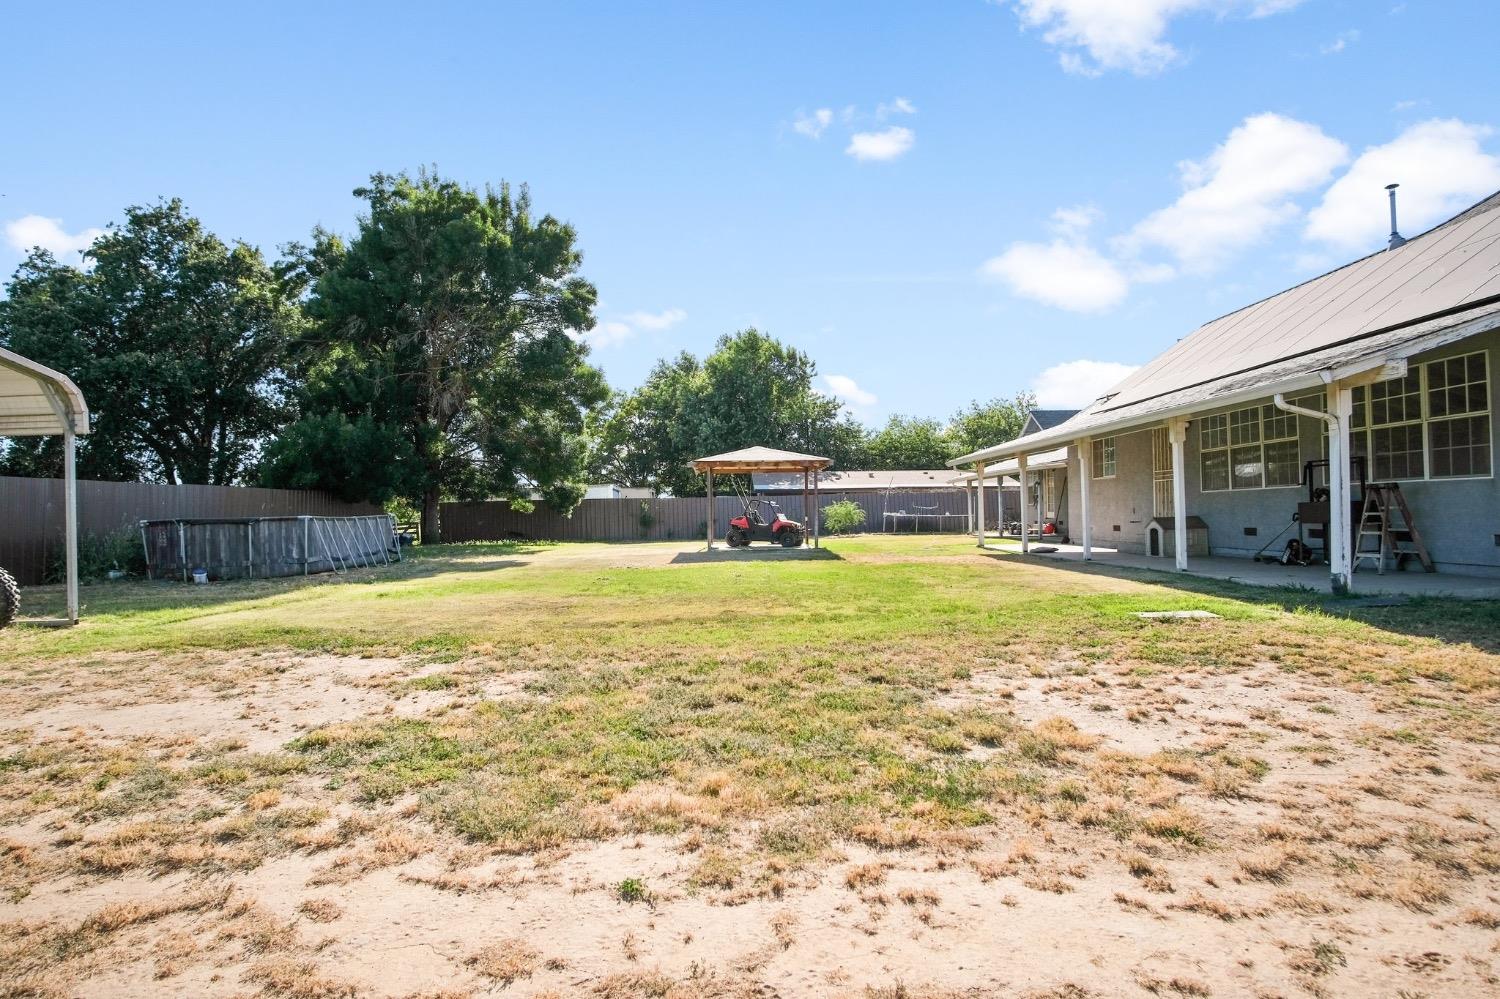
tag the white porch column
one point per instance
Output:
(1177, 433)
(70, 514)
(979, 507)
(1085, 474)
(1025, 513)
(1341, 408)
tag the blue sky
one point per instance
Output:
(939, 201)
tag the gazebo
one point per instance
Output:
(764, 459)
(36, 401)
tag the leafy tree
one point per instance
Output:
(752, 389)
(978, 425)
(175, 339)
(910, 442)
(443, 357)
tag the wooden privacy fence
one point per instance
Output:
(684, 518)
(31, 512)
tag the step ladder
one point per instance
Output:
(1387, 531)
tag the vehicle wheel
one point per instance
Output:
(10, 598)
(735, 538)
(790, 539)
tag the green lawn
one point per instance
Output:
(769, 708)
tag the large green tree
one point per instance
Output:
(175, 339)
(981, 424)
(910, 442)
(752, 389)
(443, 358)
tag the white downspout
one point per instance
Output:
(1338, 478)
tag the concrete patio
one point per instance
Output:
(1412, 582)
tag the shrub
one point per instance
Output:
(97, 555)
(843, 517)
(647, 518)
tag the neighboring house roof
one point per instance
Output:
(902, 478)
(1439, 287)
(1046, 419)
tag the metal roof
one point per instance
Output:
(900, 478)
(1037, 462)
(760, 459)
(1444, 278)
(36, 401)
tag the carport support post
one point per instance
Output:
(1177, 434)
(1085, 475)
(979, 506)
(1025, 513)
(70, 512)
(710, 509)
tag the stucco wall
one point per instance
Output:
(1459, 518)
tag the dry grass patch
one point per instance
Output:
(506, 961)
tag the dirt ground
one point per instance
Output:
(1305, 843)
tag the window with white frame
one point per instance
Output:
(1434, 423)
(1103, 458)
(1252, 448)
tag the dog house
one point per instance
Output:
(1161, 537)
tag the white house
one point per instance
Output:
(1383, 370)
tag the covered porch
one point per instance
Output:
(1411, 583)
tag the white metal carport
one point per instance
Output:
(36, 401)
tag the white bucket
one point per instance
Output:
(200, 576)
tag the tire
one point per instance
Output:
(790, 539)
(10, 598)
(735, 538)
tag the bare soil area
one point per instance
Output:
(280, 823)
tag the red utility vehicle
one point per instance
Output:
(763, 521)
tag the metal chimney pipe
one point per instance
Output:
(1397, 239)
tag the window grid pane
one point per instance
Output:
(1214, 471)
(1245, 463)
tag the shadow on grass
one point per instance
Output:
(39, 603)
(760, 553)
(1474, 622)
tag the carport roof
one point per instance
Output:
(36, 401)
(760, 459)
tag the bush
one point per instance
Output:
(843, 517)
(647, 518)
(97, 554)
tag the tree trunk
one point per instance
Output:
(430, 501)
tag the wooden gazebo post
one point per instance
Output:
(710, 522)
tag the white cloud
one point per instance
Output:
(1340, 43)
(36, 230)
(1076, 384)
(847, 389)
(1441, 167)
(1099, 35)
(883, 145)
(663, 320)
(609, 333)
(1068, 274)
(812, 125)
(1241, 192)
(613, 332)
(898, 106)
